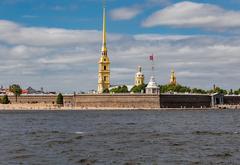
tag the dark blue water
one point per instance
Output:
(120, 137)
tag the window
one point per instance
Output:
(105, 67)
(105, 78)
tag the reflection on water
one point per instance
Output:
(120, 137)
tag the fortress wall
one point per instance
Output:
(118, 101)
(128, 100)
(232, 100)
(185, 101)
(45, 99)
(33, 99)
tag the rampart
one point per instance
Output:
(127, 101)
(232, 100)
(185, 101)
(142, 101)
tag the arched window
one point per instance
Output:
(105, 67)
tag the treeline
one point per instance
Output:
(170, 88)
(124, 89)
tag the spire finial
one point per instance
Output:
(104, 3)
(104, 46)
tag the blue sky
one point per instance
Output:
(86, 14)
(55, 44)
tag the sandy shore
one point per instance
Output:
(47, 107)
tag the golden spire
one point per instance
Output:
(104, 42)
(104, 62)
(173, 79)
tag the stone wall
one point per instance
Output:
(36, 99)
(232, 100)
(142, 101)
(185, 101)
(137, 101)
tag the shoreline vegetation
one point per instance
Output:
(49, 107)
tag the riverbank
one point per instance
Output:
(47, 107)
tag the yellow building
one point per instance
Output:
(173, 78)
(139, 77)
(104, 62)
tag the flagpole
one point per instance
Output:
(152, 59)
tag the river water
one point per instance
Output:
(119, 137)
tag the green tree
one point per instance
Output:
(139, 89)
(237, 92)
(124, 89)
(60, 99)
(106, 90)
(174, 88)
(218, 90)
(120, 89)
(198, 91)
(16, 90)
(5, 100)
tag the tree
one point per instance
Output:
(60, 99)
(16, 90)
(230, 92)
(5, 100)
(218, 90)
(120, 89)
(198, 91)
(174, 88)
(139, 89)
(237, 92)
(124, 89)
(106, 90)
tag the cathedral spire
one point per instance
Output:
(104, 62)
(104, 42)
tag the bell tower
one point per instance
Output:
(139, 77)
(104, 62)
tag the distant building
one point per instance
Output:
(152, 87)
(139, 77)
(34, 91)
(173, 78)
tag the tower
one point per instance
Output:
(139, 77)
(104, 62)
(173, 78)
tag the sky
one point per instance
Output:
(56, 44)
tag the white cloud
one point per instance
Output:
(125, 13)
(13, 33)
(60, 59)
(191, 14)
(128, 13)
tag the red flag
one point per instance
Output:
(151, 57)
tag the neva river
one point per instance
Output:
(120, 137)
